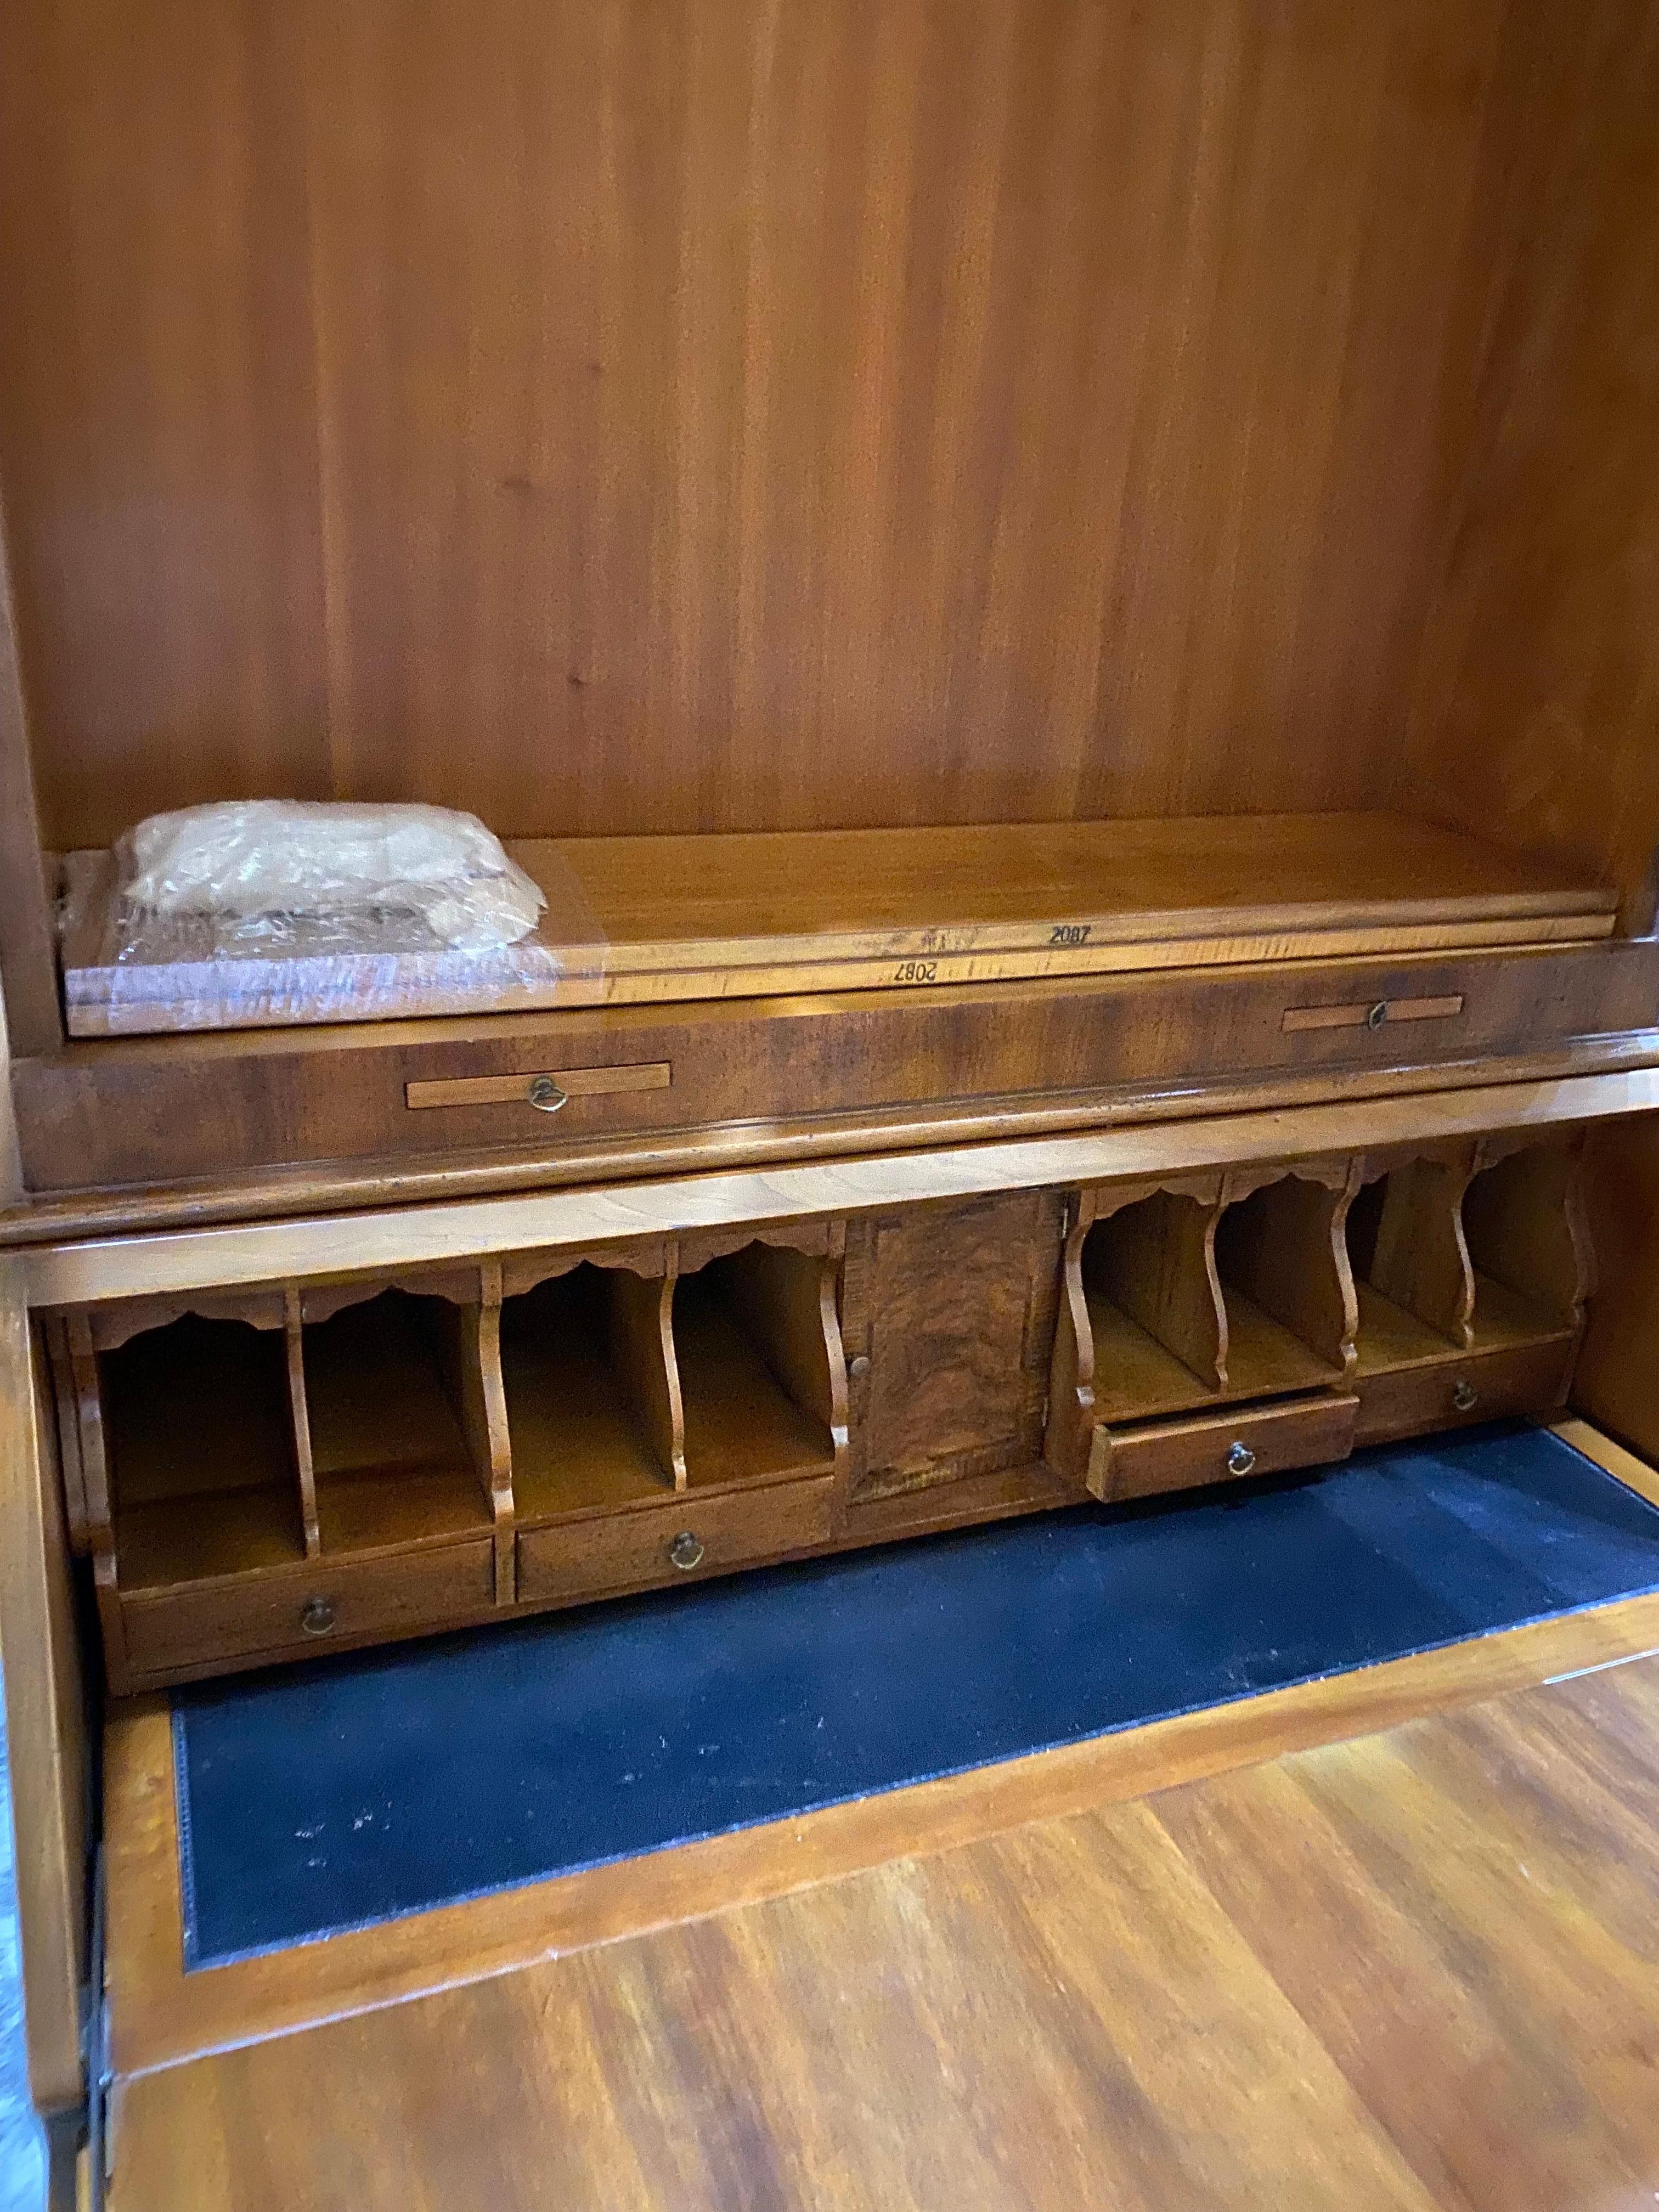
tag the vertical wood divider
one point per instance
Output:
(100, 1521)
(829, 1313)
(1422, 1259)
(642, 1347)
(1070, 1434)
(1296, 1267)
(1536, 1240)
(300, 1417)
(1164, 1273)
(481, 1401)
(66, 1403)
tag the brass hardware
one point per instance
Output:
(685, 1552)
(1362, 1014)
(545, 1096)
(511, 1091)
(1240, 1458)
(859, 1365)
(316, 1616)
(1465, 1396)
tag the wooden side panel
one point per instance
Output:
(956, 1317)
(1538, 689)
(1616, 1383)
(28, 969)
(45, 1714)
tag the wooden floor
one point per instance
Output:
(1390, 1939)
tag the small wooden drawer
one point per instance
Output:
(680, 1540)
(305, 1608)
(1159, 1455)
(1490, 1386)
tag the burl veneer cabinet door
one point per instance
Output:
(949, 1314)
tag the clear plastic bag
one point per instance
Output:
(273, 912)
(267, 863)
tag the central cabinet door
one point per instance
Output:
(949, 1320)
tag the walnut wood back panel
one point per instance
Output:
(622, 416)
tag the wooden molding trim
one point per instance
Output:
(28, 964)
(59, 1216)
(44, 1716)
(79, 1274)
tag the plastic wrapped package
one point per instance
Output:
(268, 912)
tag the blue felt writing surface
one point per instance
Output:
(349, 1790)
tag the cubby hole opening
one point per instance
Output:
(199, 1439)
(1281, 1289)
(1518, 1225)
(1152, 1309)
(390, 1455)
(1407, 1268)
(586, 1394)
(754, 1367)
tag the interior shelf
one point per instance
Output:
(580, 1436)
(1137, 1377)
(200, 1443)
(391, 1457)
(1390, 1336)
(753, 1367)
(1266, 1359)
(666, 919)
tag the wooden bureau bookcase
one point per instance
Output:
(1070, 587)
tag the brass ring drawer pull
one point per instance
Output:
(1240, 1458)
(317, 1616)
(545, 1096)
(1465, 1396)
(685, 1552)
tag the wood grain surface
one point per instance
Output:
(1452, 2004)
(1533, 707)
(625, 418)
(47, 1726)
(661, 919)
(166, 1260)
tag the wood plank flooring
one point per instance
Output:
(1416, 1969)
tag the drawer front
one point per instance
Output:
(1160, 1455)
(1528, 1378)
(577, 1560)
(307, 1608)
(166, 1111)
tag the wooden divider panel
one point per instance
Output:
(300, 1412)
(1421, 1261)
(641, 1315)
(471, 1349)
(1526, 1227)
(1284, 1245)
(1152, 1255)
